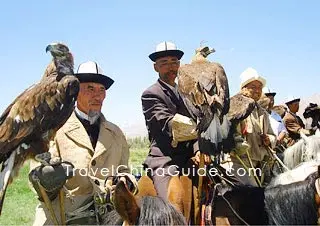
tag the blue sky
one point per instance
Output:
(280, 39)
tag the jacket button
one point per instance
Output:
(93, 162)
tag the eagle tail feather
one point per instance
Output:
(212, 138)
(5, 175)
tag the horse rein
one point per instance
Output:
(219, 188)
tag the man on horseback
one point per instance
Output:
(162, 107)
(293, 122)
(254, 135)
(96, 149)
(275, 119)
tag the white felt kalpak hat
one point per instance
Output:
(164, 49)
(90, 71)
(250, 75)
(291, 99)
(268, 92)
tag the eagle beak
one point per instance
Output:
(49, 48)
(211, 51)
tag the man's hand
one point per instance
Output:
(265, 139)
(207, 158)
(51, 175)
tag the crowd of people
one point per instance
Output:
(89, 143)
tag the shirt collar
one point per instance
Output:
(86, 117)
(173, 88)
(81, 114)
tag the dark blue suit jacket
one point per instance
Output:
(160, 104)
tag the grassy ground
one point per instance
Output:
(20, 201)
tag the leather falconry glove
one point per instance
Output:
(52, 174)
(183, 129)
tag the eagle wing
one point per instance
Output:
(205, 84)
(240, 108)
(40, 108)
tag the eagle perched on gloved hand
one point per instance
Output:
(31, 120)
(204, 86)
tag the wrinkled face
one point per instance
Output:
(294, 106)
(90, 97)
(271, 98)
(254, 89)
(167, 67)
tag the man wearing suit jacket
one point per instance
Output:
(293, 122)
(162, 106)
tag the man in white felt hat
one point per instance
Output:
(97, 149)
(293, 122)
(254, 134)
(162, 107)
(275, 119)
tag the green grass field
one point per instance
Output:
(20, 201)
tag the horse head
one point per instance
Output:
(126, 204)
(145, 210)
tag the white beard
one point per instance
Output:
(93, 116)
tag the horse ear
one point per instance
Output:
(126, 204)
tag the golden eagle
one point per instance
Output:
(31, 120)
(205, 90)
(313, 111)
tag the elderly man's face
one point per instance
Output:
(294, 106)
(254, 89)
(90, 97)
(167, 67)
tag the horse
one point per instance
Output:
(306, 149)
(291, 198)
(144, 210)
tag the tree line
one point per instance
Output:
(138, 142)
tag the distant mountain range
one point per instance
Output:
(139, 128)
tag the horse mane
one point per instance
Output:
(300, 173)
(288, 200)
(292, 204)
(155, 211)
(313, 148)
(293, 155)
(302, 151)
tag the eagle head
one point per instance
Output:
(201, 54)
(62, 57)
(57, 49)
(205, 51)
